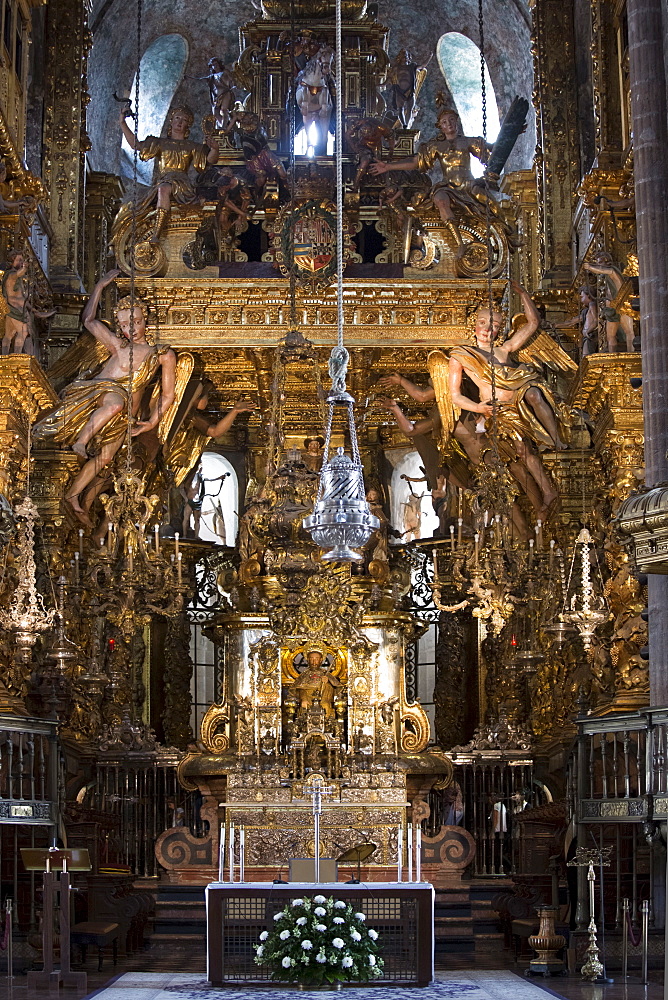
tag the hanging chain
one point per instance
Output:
(133, 243)
(488, 236)
(339, 175)
(293, 120)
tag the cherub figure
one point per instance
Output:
(586, 320)
(92, 415)
(406, 79)
(614, 320)
(174, 156)
(19, 335)
(366, 137)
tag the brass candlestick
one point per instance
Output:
(592, 969)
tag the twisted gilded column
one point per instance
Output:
(650, 142)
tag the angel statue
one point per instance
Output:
(405, 78)
(452, 151)
(91, 417)
(520, 410)
(174, 156)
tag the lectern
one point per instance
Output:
(56, 864)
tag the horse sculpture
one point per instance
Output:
(315, 90)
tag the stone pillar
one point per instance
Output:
(65, 138)
(650, 142)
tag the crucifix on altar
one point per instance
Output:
(315, 792)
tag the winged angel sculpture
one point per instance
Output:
(515, 405)
(102, 385)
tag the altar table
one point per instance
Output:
(401, 912)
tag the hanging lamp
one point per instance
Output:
(341, 520)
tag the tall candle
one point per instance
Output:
(530, 553)
(231, 853)
(221, 853)
(178, 567)
(176, 544)
(156, 537)
(497, 529)
(539, 535)
(452, 538)
(460, 521)
(409, 850)
(76, 568)
(110, 537)
(242, 853)
(418, 853)
(552, 545)
(400, 850)
(81, 534)
(476, 540)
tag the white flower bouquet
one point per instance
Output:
(317, 941)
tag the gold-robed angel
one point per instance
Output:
(92, 415)
(522, 412)
(174, 156)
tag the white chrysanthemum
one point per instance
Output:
(321, 957)
(284, 935)
(320, 911)
(373, 934)
(301, 921)
(259, 951)
(339, 905)
(297, 902)
(372, 959)
(321, 927)
(319, 899)
(360, 916)
(339, 920)
(286, 962)
(306, 944)
(278, 916)
(337, 943)
(346, 961)
(356, 936)
(264, 935)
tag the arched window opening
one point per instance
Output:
(218, 500)
(160, 72)
(411, 510)
(459, 60)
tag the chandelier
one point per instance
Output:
(585, 612)
(341, 520)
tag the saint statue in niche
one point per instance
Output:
(316, 682)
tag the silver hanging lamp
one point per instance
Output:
(341, 520)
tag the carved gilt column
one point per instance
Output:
(65, 137)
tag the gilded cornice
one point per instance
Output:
(24, 386)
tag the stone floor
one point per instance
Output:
(160, 974)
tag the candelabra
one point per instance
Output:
(584, 858)
(129, 575)
(27, 616)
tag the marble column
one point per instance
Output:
(650, 144)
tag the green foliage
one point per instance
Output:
(316, 941)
